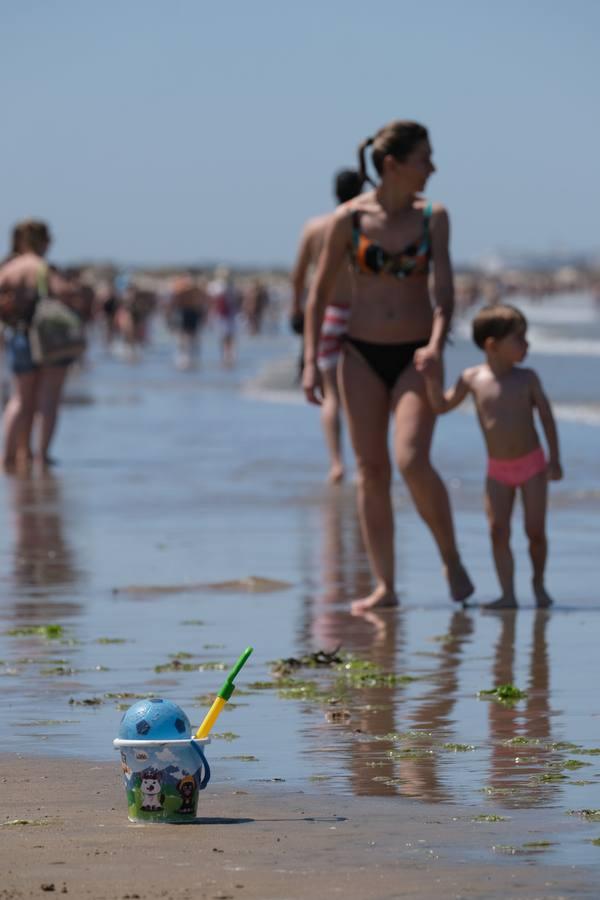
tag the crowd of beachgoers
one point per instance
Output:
(116, 306)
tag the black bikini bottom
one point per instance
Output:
(388, 361)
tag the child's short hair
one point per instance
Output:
(497, 322)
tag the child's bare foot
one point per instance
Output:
(336, 473)
(542, 598)
(504, 602)
(459, 582)
(380, 598)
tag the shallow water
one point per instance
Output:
(174, 479)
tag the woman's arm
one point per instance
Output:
(330, 262)
(443, 285)
(443, 280)
(444, 401)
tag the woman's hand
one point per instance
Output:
(311, 383)
(428, 360)
(8, 305)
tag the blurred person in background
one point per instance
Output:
(347, 185)
(36, 390)
(254, 305)
(225, 305)
(186, 312)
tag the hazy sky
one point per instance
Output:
(152, 132)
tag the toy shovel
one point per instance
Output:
(223, 696)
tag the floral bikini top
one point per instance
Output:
(372, 259)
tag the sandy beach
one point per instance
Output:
(274, 845)
(188, 519)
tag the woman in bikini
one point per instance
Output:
(393, 237)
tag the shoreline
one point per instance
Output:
(266, 844)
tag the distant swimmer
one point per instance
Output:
(347, 185)
(187, 311)
(506, 396)
(255, 304)
(225, 304)
(394, 236)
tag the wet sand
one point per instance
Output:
(256, 844)
(188, 518)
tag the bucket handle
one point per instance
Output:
(205, 767)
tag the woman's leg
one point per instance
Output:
(52, 381)
(331, 422)
(413, 432)
(367, 407)
(18, 419)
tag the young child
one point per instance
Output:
(505, 397)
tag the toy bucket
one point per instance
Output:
(163, 778)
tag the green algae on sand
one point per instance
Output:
(503, 693)
(459, 748)
(50, 632)
(32, 822)
(489, 818)
(176, 665)
(590, 815)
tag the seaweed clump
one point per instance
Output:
(503, 693)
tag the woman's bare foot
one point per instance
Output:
(504, 602)
(542, 598)
(379, 599)
(19, 465)
(8, 464)
(461, 586)
(336, 473)
(375, 619)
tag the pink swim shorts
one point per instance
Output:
(515, 472)
(335, 325)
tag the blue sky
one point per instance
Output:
(179, 131)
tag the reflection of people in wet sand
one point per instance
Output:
(505, 398)
(392, 235)
(431, 715)
(348, 184)
(43, 558)
(344, 571)
(530, 719)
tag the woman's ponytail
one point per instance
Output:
(362, 163)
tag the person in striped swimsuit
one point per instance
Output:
(347, 185)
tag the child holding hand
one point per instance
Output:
(505, 397)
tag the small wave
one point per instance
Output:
(582, 413)
(271, 395)
(559, 346)
(276, 382)
(541, 343)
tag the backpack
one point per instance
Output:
(56, 333)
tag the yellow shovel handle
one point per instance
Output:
(211, 718)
